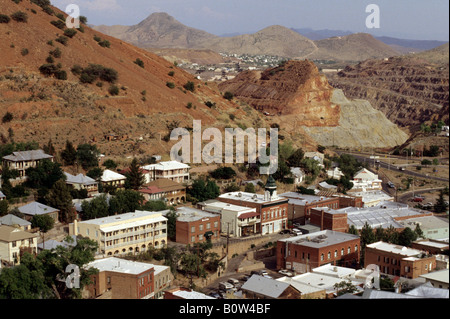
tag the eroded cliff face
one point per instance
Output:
(303, 103)
(408, 91)
(295, 88)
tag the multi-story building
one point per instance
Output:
(14, 242)
(80, 182)
(366, 180)
(305, 252)
(113, 179)
(399, 260)
(236, 221)
(125, 233)
(21, 161)
(121, 279)
(331, 219)
(164, 189)
(271, 208)
(196, 226)
(173, 170)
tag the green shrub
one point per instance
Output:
(8, 117)
(83, 19)
(105, 44)
(59, 24)
(97, 71)
(76, 69)
(97, 38)
(139, 62)
(170, 85)
(48, 10)
(50, 69)
(113, 90)
(41, 3)
(70, 33)
(228, 95)
(86, 78)
(19, 16)
(56, 53)
(4, 18)
(24, 51)
(62, 39)
(189, 86)
(61, 75)
(60, 16)
(171, 73)
(50, 59)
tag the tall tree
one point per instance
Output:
(69, 154)
(135, 177)
(59, 197)
(87, 156)
(45, 174)
(44, 223)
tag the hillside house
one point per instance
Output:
(21, 161)
(164, 189)
(14, 221)
(113, 179)
(80, 182)
(14, 242)
(173, 170)
(366, 180)
(34, 208)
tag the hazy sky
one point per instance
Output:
(412, 19)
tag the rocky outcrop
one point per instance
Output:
(301, 100)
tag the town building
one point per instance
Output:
(300, 205)
(14, 242)
(173, 170)
(184, 293)
(21, 161)
(398, 260)
(298, 175)
(272, 209)
(112, 179)
(259, 287)
(305, 252)
(327, 218)
(317, 156)
(53, 244)
(164, 189)
(372, 198)
(366, 180)
(196, 226)
(82, 182)
(126, 233)
(35, 208)
(13, 220)
(431, 245)
(121, 279)
(438, 279)
(236, 221)
(433, 227)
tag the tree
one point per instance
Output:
(295, 160)
(250, 188)
(154, 205)
(87, 156)
(45, 174)
(345, 287)
(223, 173)
(189, 86)
(135, 177)
(367, 236)
(171, 224)
(201, 190)
(110, 164)
(4, 207)
(69, 154)
(59, 197)
(406, 237)
(95, 173)
(44, 223)
(95, 208)
(228, 96)
(440, 206)
(353, 230)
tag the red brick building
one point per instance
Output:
(121, 279)
(305, 252)
(331, 219)
(398, 260)
(195, 226)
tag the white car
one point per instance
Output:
(285, 273)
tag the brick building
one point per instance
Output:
(327, 218)
(195, 226)
(272, 209)
(305, 252)
(122, 279)
(398, 260)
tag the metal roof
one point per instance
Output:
(33, 155)
(265, 286)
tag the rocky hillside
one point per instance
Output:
(60, 85)
(300, 99)
(409, 90)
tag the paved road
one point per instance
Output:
(366, 158)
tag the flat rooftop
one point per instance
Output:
(188, 214)
(396, 249)
(251, 197)
(320, 239)
(302, 199)
(120, 265)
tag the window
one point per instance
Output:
(342, 252)
(192, 238)
(200, 227)
(356, 248)
(335, 254)
(208, 226)
(349, 250)
(329, 255)
(216, 224)
(406, 269)
(193, 229)
(322, 257)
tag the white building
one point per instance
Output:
(13, 241)
(298, 175)
(173, 170)
(237, 221)
(366, 180)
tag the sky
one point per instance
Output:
(407, 19)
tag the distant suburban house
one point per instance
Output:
(298, 175)
(35, 208)
(13, 220)
(113, 179)
(22, 160)
(173, 170)
(164, 189)
(335, 173)
(317, 156)
(14, 242)
(366, 180)
(81, 181)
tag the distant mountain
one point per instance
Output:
(321, 34)
(159, 30)
(274, 40)
(354, 47)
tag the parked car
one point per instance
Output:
(285, 272)
(390, 184)
(296, 232)
(233, 281)
(245, 277)
(263, 273)
(417, 199)
(215, 295)
(267, 276)
(284, 231)
(225, 286)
